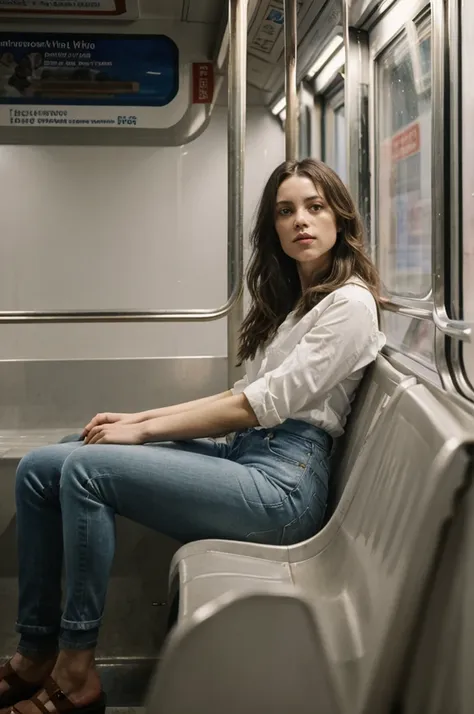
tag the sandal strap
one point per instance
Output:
(8, 675)
(38, 704)
(57, 697)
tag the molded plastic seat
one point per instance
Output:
(439, 672)
(362, 576)
(381, 383)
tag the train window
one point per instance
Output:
(340, 142)
(413, 338)
(403, 162)
(334, 131)
(306, 128)
(305, 132)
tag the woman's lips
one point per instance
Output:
(304, 239)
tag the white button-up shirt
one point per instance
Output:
(311, 369)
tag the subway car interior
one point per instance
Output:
(123, 245)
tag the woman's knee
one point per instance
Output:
(79, 472)
(32, 473)
(40, 470)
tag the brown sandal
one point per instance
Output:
(60, 702)
(19, 689)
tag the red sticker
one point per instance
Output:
(406, 143)
(203, 82)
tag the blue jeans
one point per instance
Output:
(266, 486)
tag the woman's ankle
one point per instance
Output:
(76, 661)
(26, 664)
(76, 675)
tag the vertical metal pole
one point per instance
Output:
(237, 101)
(291, 125)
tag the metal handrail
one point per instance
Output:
(417, 313)
(236, 145)
(291, 122)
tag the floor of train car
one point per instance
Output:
(127, 657)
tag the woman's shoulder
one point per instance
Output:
(353, 292)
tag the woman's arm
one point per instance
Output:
(213, 418)
(179, 408)
(139, 417)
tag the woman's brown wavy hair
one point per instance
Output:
(272, 276)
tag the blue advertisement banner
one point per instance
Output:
(92, 70)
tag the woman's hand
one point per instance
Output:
(111, 418)
(117, 433)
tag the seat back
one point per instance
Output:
(364, 577)
(407, 478)
(380, 383)
(438, 674)
(246, 653)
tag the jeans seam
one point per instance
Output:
(79, 594)
(287, 496)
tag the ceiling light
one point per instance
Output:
(328, 51)
(281, 104)
(330, 70)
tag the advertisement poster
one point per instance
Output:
(107, 9)
(71, 79)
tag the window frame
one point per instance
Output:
(444, 309)
(381, 34)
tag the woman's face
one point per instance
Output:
(305, 224)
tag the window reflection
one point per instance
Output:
(414, 338)
(404, 163)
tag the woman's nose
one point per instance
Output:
(300, 219)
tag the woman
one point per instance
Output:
(310, 332)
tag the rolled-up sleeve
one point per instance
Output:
(240, 385)
(344, 335)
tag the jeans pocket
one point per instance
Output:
(289, 447)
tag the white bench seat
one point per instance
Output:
(350, 593)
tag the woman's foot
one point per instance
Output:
(76, 676)
(22, 677)
(74, 684)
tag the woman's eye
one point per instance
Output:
(316, 207)
(284, 212)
